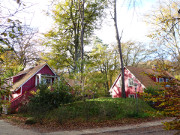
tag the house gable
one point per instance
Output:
(43, 69)
(46, 70)
(137, 80)
(130, 90)
(21, 90)
(143, 78)
(132, 76)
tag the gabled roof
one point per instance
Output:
(143, 75)
(29, 73)
(23, 72)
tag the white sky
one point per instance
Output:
(129, 21)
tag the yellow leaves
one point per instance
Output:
(34, 92)
(172, 125)
(174, 5)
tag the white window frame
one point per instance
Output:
(131, 96)
(130, 82)
(161, 80)
(167, 80)
(37, 78)
(44, 80)
(50, 80)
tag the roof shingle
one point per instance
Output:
(28, 74)
(143, 75)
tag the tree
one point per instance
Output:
(16, 38)
(134, 53)
(4, 26)
(118, 38)
(81, 10)
(64, 39)
(7, 13)
(19, 39)
(4, 86)
(165, 35)
(167, 100)
(103, 62)
(14, 45)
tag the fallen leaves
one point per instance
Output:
(77, 124)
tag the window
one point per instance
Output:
(167, 80)
(131, 96)
(47, 80)
(161, 79)
(130, 82)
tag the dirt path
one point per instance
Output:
(147, 128)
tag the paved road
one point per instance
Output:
(155, 130)
(148, 128)
(7, 129)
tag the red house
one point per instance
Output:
(26, 81)
(137, 79)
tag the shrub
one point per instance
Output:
(167, 101)
(46, 99)
(149, 93)
(62, 92)
(152, 90)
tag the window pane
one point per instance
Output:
(161, 79)
(130, 82)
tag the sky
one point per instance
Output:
(130, 20)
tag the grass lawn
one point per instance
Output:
(98, 110)
(90, 113)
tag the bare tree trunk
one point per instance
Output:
(120, 51)
(76, 36)
(81, 10)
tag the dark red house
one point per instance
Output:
(26, 81)
(137, 79)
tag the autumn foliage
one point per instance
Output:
(167, 101)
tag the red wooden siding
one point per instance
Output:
(17, 78)
(115, 91)
(46, 70)
(154, 79)
(23, 93)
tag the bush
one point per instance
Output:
(46, 99)
(154, 91)
(151, 92)
(167, 101)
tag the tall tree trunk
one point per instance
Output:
(81, 10)
(76, 36)
(120, 51)
(106, 83)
